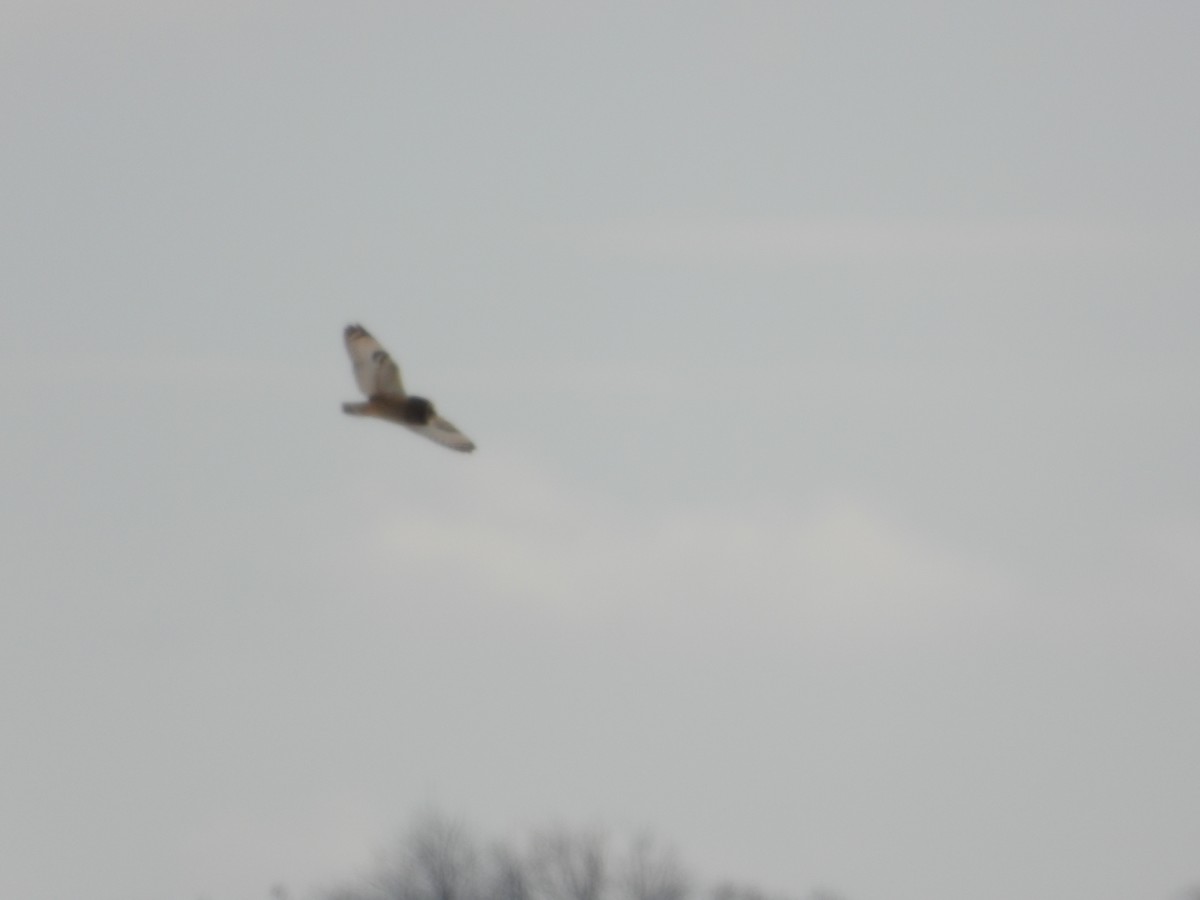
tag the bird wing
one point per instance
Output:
(374, 369)
(438, 429)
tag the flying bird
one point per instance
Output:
(378, 377)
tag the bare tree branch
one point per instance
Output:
(570, 865)
(654, 873)
(438, 861)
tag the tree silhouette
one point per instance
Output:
(439, 859)
(570, 865)
(654, 873)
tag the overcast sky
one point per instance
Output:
(834, 373)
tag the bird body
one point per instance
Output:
(378, 377)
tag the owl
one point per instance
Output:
(378, 377)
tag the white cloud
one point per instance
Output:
(839, 567)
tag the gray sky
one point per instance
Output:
(833, 368)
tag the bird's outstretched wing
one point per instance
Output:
(374, 369)
(438, 429)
